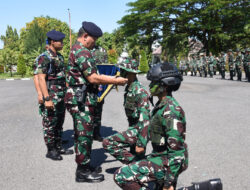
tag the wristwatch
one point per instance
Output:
(47, 98)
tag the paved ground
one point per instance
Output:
(218, 120)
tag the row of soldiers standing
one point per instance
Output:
(209, 65)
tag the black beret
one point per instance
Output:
(92, 29)
(55, 35)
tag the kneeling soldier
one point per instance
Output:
(167, 133)
(136, 104)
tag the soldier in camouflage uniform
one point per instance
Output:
(193, 66)
(246, 61)
(211, 63)
(199, 65)
(222, 63)
(81, 98)
(204, 64)
(136, 104)
(183, 67)
(238, 64)
(50, 71)
(167, 132)
(231, 65)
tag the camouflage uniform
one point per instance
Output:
(136, 104)
(238, 66)
(204, 65)
(52, 65)
(81, 64)
(211, 64)
(199, 66)
(183, 67)
(231, 65)
(246, 61)
(169, 157)
(222, 66)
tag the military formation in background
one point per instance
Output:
(235, 62)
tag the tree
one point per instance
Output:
(11, 39)
(9, 59)
(21, 66)
(143, 67)
(112, 56)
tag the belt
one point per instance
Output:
(57, 82)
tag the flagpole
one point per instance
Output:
(70, 30)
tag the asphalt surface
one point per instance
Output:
(218, 120)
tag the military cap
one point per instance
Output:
(55, 35)
(237, 50)
(230, 50)
(92, 29)
(130, 65)
(247, 49)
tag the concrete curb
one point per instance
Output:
(11, 79)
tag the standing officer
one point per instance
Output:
(211, 64)
(246, 61)
(231, 65)
(167, 132)
(238, 64)
(81, 97)
(204, 64)
(222, 63)
(136, 104)
(51, 81)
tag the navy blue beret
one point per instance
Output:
(92, 29)
(55, 35)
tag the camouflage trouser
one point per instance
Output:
(211, 70)
(83, 116)
(116, 145)
(137, 174)
(52, 121)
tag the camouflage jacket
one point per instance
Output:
(81, 64)
(238, 60)
(231, 62)
(52, 65)
(246, 60)
(136, 104)
(168, 128)
(212, 60)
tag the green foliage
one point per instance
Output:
(112, 56)
(35, 38)
(11, 39)
(9, 59)
(143, 67)
(21, 66)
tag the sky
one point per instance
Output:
(104, 13)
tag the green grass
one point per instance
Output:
(14, 76)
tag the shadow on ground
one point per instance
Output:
(107, 131)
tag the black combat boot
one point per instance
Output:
(84, 174)
(96, 134)
(53, 153)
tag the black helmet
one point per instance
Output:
(165, 74)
